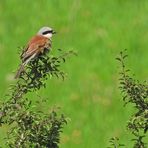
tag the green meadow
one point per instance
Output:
(98, 30)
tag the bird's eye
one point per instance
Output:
(46, 32)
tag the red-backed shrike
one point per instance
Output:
(38, 44)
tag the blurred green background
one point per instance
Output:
(98, 30)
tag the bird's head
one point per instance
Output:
(46, 32)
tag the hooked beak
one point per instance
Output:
(54, 32)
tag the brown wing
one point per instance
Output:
(36, 45)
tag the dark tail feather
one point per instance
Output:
(20, 70)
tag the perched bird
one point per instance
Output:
(38, 44)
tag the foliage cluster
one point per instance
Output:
(30, 127)
(136, 93)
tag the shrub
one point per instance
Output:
(30, 127)
(136, 93)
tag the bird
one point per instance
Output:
(36, 45)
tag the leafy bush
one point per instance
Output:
(31, 127)
(135, 93)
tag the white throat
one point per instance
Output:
(49, 35)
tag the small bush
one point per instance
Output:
(136, 93)
(31, 127)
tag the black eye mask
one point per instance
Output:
(46, 32)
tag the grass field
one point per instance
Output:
(98, 30)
